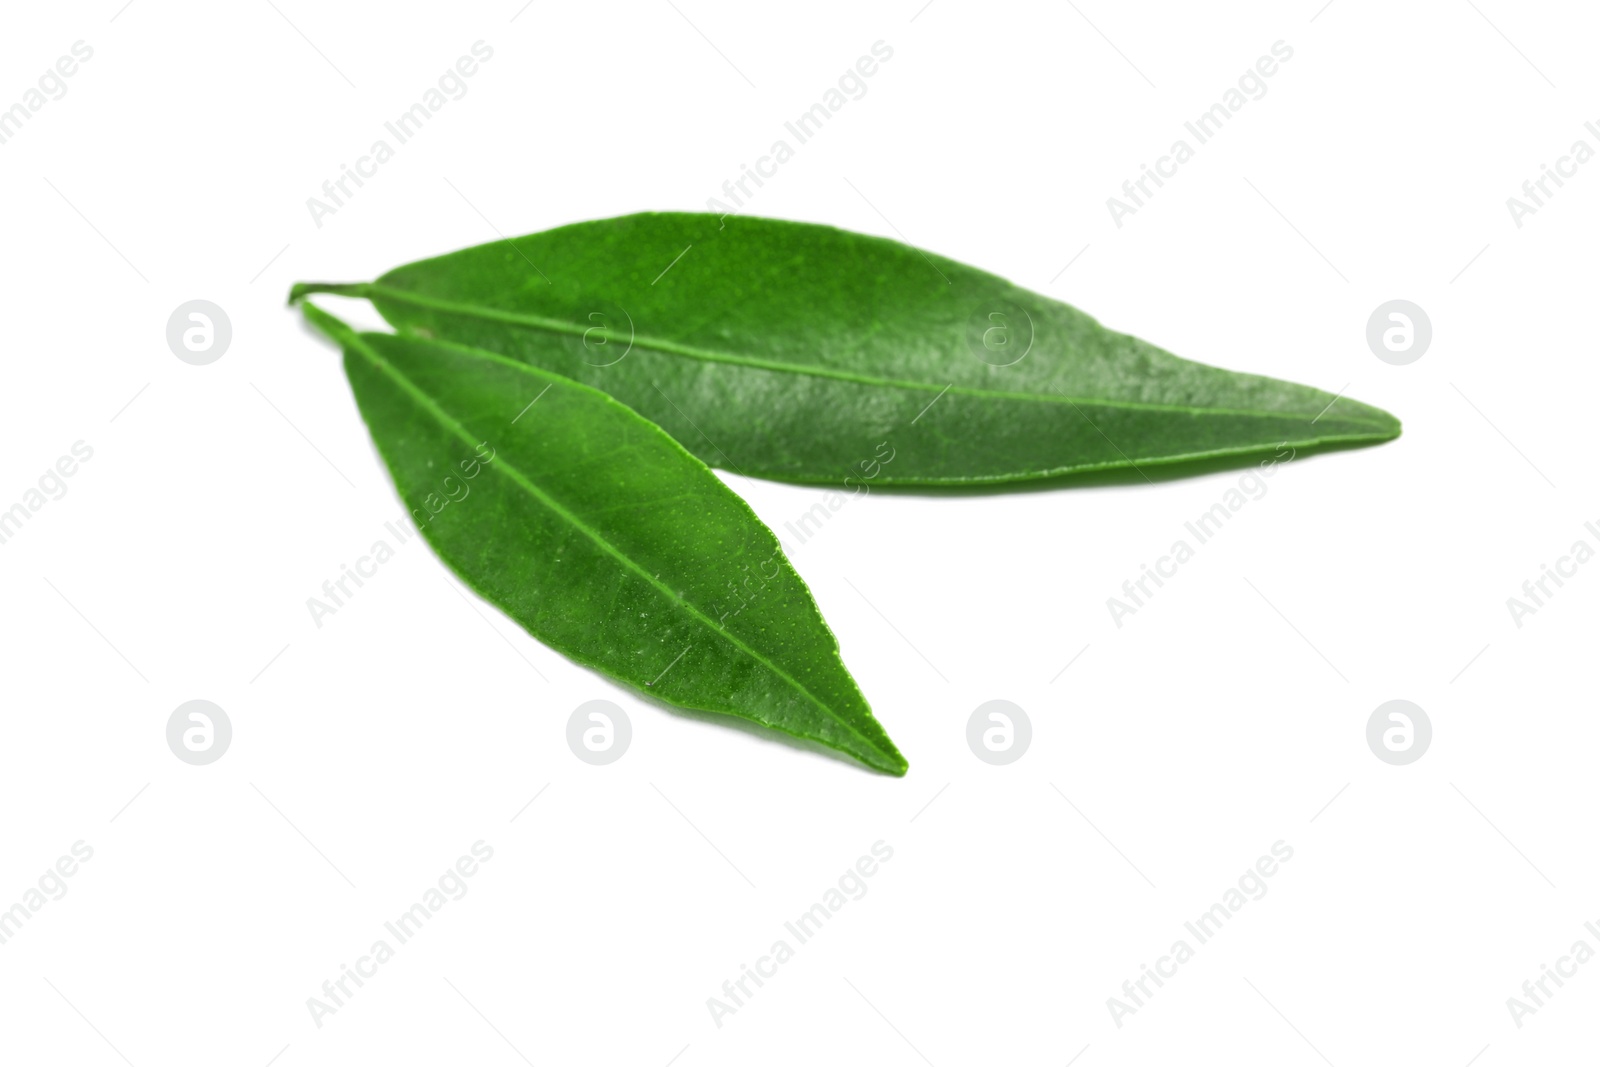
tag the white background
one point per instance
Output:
(1225, 716)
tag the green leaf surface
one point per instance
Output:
(805, 353)
(604, 538)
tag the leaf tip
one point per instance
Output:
(886, 758)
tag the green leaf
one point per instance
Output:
(805, 353)
(603, 538)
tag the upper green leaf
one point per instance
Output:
(801, 352)
(604, 538)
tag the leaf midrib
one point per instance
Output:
(445, 420)
(517, 318)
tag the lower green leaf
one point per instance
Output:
(603, 538)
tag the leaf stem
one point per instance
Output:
(336, 330)
(301, 290)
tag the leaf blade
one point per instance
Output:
(603, 538)
(790, 351)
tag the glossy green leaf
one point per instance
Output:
(604, 538)
(806, 353)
